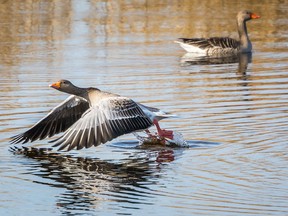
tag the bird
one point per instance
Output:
(90, 117)
(218, 46)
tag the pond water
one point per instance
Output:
(232, 113)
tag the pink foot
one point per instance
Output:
(162, 132)
(166, 133)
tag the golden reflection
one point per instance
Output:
(184, 18)
(26, 23)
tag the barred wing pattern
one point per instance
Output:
(214, 45)
(112, 117)
(56, 121)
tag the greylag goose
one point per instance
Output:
(222, 45)
(92, 117)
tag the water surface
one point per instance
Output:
(232, 112)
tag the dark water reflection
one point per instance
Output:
(88, 180)
(242, 59)
(233, 111)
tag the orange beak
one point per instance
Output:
(254, 16)
(56, 85)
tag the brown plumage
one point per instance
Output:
(222, 45)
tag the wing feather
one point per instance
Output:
(112, 117)
(212, 43)
(57, 120)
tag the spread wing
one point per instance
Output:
(112, 117)
(57, 120)
(213, 42)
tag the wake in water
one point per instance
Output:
(177, 141)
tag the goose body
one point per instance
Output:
(90, 117)
(222, 45)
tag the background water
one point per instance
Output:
(233, 115)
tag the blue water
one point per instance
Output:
(233, 114)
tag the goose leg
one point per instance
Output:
(162, 132)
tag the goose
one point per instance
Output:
(90, 117)
(222, 45)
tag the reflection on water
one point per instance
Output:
(232, 111)
(89, 180)
(242, 58)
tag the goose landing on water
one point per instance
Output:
(222, 45)
(92, 117)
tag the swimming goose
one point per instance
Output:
(92, 117)
(222, 45)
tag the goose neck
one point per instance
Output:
(245, 44)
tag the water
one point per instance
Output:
(232, 114)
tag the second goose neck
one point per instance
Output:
(245, 44)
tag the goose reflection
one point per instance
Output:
(243, 59)
(88, 182)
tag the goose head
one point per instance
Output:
(67, 87)
(246, 15)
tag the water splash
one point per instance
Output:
(178, 140)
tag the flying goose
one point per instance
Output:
(92, 117)
(222, 45)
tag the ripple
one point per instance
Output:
(232, 111)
